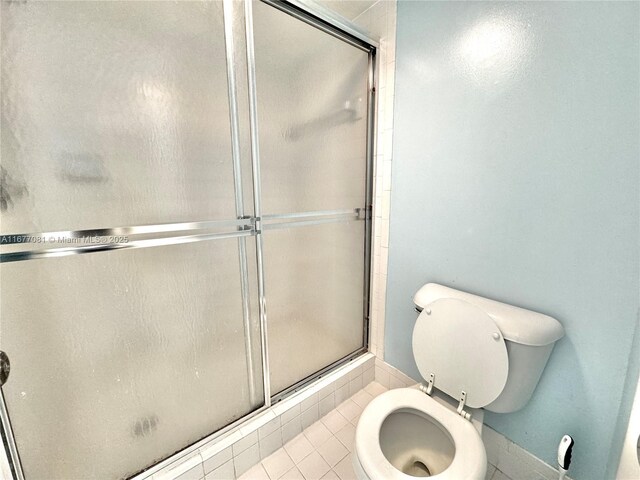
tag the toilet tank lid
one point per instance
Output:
(517, 324)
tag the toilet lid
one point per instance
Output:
(463, 347)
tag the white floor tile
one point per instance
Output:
(313, 466)
(349, 409)
(317, 434)
(255, 473)
(347, 436)
(278, 464)
(331, 475)
(334, 421)
(344, 469)
(333, 451)
(293, 474)
(490, 471)
(362, 398)
(498, 475)
(298, 448)
(374, 389)
(322, 450)
(354, 420)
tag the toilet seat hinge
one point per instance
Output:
(461, 410)
(428, 388)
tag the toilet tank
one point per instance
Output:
(529, 337)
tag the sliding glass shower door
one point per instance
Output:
(162, 276)
(115, 118)
(313, 117)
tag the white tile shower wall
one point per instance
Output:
(380, 21)
(229, 456)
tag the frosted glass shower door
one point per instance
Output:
(131, 322)
(312, 90)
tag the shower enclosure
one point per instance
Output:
(185, 230)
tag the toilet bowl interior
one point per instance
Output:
(415, 443)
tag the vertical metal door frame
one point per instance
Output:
(319, 19)
(371, 146)
(257, 195)
(239, 192)
(8, 441)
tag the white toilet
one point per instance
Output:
(478, 352)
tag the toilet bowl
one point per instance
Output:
(404, 433)
(477, 352)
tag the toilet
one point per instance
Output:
(474, 354)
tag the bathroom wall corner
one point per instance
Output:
(624, 457)
(380, 21)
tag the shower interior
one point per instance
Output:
(199, 175)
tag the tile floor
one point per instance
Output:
(323, 450)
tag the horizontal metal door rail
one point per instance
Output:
(303, 219)
(319, 213)
(12, 239)
(246, 228)
(325, 20)
(153, 242)
(306, 223)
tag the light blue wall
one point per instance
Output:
(516, 175)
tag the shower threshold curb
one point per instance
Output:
(241, 445)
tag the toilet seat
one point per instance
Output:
(464, 350)
(469, 461)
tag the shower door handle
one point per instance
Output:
(5, 367)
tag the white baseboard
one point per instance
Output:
(513, 460)
(391, 377)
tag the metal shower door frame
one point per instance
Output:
(323, 19)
